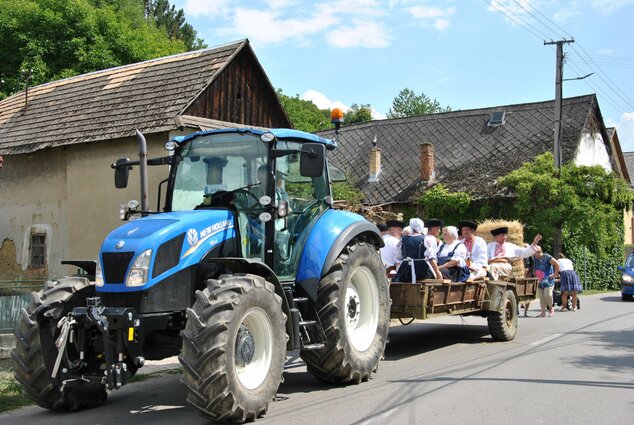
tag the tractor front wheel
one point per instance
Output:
(35, 342)
(234, 347)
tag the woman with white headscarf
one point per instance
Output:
(414, 266)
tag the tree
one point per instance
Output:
(407, 103)
(358, 113)
(59, 39)
(304, 114)
(167, 17)
(587, 202)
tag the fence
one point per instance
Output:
(15, 295)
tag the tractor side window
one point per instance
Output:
(307, 201)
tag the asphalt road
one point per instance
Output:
(574, 368)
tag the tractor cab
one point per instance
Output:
(275, 183)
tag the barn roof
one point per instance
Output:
(112, 103)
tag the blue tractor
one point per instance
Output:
(247, 260)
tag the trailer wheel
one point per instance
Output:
(353, 305)
(503, 324)
(234, 347)
(56, 299)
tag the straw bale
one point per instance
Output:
(515, 235)
(516, 230)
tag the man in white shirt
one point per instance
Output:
(476, 250)
(501, 252)
(389, 252)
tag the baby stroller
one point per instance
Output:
(557, 297)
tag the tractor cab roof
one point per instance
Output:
(285, 134)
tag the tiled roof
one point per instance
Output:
(469, 154)
(110, 104)
(629, 162)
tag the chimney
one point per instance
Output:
(375, 164)
(427, 173)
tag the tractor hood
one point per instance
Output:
(177, 240)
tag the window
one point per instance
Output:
(497, 119)
(38, 250)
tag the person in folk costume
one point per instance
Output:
(452, 256)
(476, 249)
(500, 252)
(414, 266)
(432, 242)
(569, 282)
(390, 251)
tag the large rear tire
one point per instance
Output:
(234, 347)
(353, 305)
(503, 324)
(56, 299)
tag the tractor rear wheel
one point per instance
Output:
(503, 324)
(234, 347)
(55, 301)
(353, 305)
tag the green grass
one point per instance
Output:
(11, 393)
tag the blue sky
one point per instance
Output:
(464, 53)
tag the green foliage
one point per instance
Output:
(597, 272)
(11, 393)
(585, 201)
(59, 39)
(304, 114)
(358, 113)
(407, 103)
(449, 206)
(173, 22)
(345, 191)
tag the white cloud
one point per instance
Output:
(606, 51)
(625, 130)
(268, 27)
(607, 7)
(211, 8)
(361, 34)
(322, 102)
(433, 16)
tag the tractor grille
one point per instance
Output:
(115, 265)
(168, 255)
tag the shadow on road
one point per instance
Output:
(418, 338)
(622, 340)
(612, 299)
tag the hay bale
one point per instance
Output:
(515, 235)
(516, 230)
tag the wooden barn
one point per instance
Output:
(57, 197)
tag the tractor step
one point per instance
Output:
(310, 347)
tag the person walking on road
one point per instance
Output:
(569, 282)
(546, 270)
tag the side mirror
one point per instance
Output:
(620, 268)
(121, 173)
(311, 160)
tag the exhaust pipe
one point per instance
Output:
(143, 171)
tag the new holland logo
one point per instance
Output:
(192, 237)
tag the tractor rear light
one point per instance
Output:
(98, 274)
(139, 272)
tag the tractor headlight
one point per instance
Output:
(138, 274)
(98, 274)
(627, 278)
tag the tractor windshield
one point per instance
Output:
(218, 163)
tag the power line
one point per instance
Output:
(495, 4)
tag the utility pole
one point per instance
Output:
(559, 73)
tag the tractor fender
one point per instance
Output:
(331, 233)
